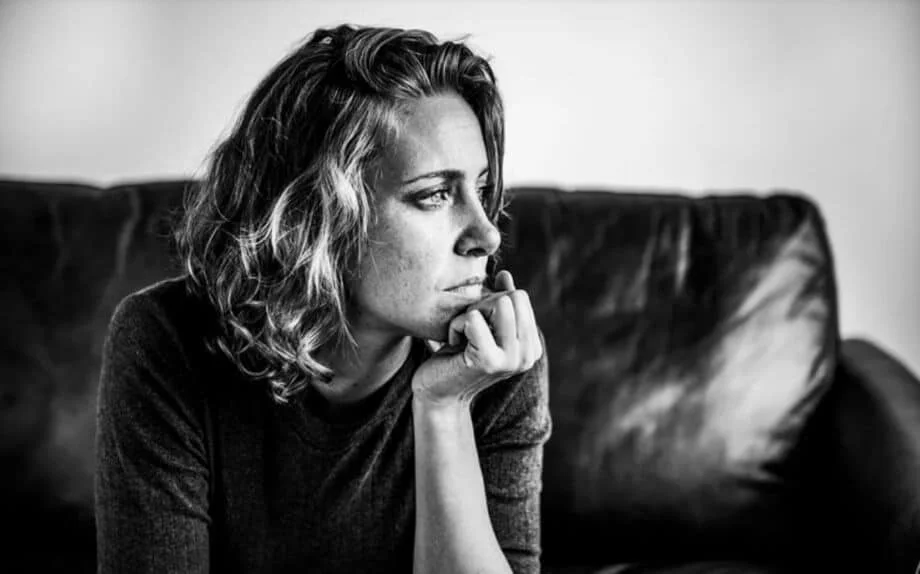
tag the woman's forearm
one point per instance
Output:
(453, 533)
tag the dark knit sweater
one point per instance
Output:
(199, 470)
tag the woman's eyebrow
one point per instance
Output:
(450, 174)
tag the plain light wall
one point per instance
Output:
(817, 96)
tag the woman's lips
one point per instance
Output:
(473, 291)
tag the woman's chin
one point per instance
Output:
(436, 327)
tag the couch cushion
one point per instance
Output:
(70, 253)
(688, 341)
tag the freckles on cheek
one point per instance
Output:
(406, 252)
(400, 262)
(409, 270)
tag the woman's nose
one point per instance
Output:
(481, 237)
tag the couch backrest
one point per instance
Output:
(689, 340)
(70, 253)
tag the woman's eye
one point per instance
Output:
(438, 197)
(434, 198)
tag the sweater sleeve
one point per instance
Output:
(512, 429)
(151, 480)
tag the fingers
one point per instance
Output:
(505, 324)
(500, 331)
(455, 331)
(481, 348)
(512, 318)
(504, 284)
(504, 281)
(520, 302)
(528, 337)
(493, 339)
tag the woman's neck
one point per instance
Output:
(362, 370)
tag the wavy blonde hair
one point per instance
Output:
(282, 211)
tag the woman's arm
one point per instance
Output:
(151, 462)
(491, 484)
(454, 530)
(512, 423)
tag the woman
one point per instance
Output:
(332, 387)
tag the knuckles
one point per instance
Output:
(510, 361)
(505, 301)
(505, 364)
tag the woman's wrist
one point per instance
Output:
(442, 411)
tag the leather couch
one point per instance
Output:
(707, 414)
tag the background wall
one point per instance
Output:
(818, 96)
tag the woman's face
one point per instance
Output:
(430, 234)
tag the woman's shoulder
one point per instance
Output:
(149, 386)
(166, 303)
(165, 315)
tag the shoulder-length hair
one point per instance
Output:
(282, 211)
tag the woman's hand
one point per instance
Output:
(492, 340)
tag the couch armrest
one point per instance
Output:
(874, 465)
